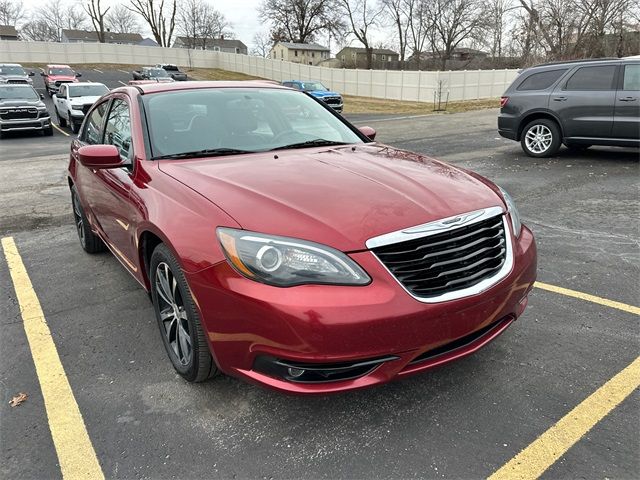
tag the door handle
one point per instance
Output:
(559, 99)
(627, 99)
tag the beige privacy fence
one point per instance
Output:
(386, 84)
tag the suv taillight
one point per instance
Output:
(503, 101)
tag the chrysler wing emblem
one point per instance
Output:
(445, 223)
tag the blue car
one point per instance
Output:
(318, 90)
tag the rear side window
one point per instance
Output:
(631, 77)
(92, 133)
(592, 78)
(542, 80)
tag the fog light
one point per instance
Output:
(295, 372)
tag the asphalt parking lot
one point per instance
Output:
(465, 420)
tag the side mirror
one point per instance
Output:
(368, 132)
(100, 156)
(31, 74)
(42, 96)
(78, 75)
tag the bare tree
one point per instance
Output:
(97, 16)
(160, 16)
(419, 28)
(395, 11)
(122, 20)
(11, 12)
(453, 21)
(301, 21)
(362, 16)
(48, 20)
(198, 22)
(261, 44)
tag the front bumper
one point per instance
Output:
(19, 125)
(247, 321)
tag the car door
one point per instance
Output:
(585, 101)
(60, 101)
(626, 123)
(107, 191)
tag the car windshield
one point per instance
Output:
(157, 72)
(223, 121)
(173, 68)
(17, 92)
(87, 90)
(61, 71)
(313, 86)
(11, 70)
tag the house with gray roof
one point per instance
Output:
(307, 53)
(8, 32)
(90, 36)
(221, 44)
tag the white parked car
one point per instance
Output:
(73, 100)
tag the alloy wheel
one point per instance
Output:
(538, 138)
(173, 314)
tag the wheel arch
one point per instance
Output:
(536, 116)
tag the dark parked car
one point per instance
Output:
(173, 71)
(152, 73)
(282, 245)
(22, 109)
(579, 103)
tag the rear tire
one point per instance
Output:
(89, 241)
(180, 328)
(541, 138)
(75, 126)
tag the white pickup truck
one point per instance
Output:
(73, 101)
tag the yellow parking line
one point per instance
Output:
(535, 459)
(590, 298)
(59, 129)
(72, 443)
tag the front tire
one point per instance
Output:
(180, 327)
(541, 138)
(75, 126)
(61, 121)
(89, 241)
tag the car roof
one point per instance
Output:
(58, 66)
(79, 84)
(194, 85)
(10, 65)
(572, 63)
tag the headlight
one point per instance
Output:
(285, 262)
(513, 212)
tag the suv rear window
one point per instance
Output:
(542, 80)
(592, 78)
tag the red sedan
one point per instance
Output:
(282, 245)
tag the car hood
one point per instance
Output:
(84, 100)
(62, 78)
(339, 197)
(20, 103)
(323, 93)
(24, 78)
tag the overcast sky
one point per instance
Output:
(243, 15)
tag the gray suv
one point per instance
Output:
(579, 103)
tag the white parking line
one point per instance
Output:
(99, 71)
(123, 71)
(121, 83)
(59, 129)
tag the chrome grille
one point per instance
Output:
(20, 82)
(18, 113)
(332, 100)
(451, 261)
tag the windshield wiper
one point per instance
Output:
(211, 152)
(318, 142)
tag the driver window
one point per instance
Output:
(93, 126)
(117, 130)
